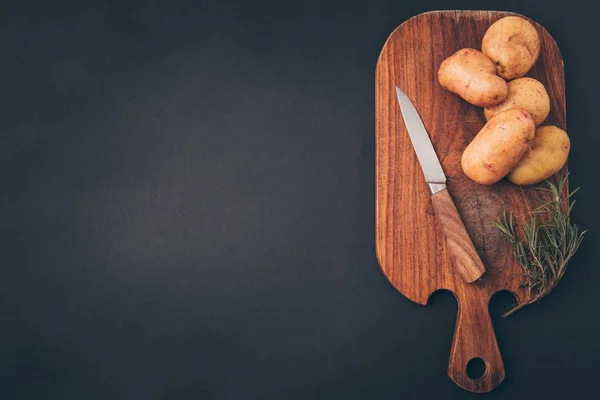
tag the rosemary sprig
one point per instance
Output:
(546, 248)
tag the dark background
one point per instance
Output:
(187, 209)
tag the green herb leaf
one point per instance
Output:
(547, 248)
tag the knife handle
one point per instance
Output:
(458, 242)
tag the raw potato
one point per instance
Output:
(525, 93)
(498, 147)
(548, 154)
(471, 75)
(513, 44)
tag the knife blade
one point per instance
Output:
(458, 242)
(430, 164)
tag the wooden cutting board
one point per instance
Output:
(409, 244)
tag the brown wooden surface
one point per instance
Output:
(410, 246)
(465, 258)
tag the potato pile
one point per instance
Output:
(513, 143)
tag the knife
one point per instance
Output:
(458, 242)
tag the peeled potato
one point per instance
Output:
(527, 94)
(471, 75)
(513, 44)
(498, 147)
(548, 154)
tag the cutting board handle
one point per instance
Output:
(474, 338)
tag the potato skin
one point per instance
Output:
(548, 154)
(513, 44)
(498, 147)
(471, 75)
(525, 93)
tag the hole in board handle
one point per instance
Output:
(476, 368)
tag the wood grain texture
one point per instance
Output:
(464, 257)
(409, 242)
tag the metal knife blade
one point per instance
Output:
(430, 164)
